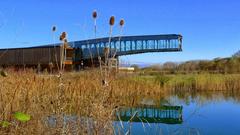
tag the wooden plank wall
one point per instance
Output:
(29, 56)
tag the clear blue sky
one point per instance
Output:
(210, 28)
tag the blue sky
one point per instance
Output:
(210, 28)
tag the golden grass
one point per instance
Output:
(82, 94)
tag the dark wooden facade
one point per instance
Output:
(35, 56)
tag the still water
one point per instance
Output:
(198, 114)
(195, 113)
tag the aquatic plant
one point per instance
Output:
(22, 117)
(5, 124)
(162, 80)
(19, 116)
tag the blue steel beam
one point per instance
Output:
(152, 114)
(128, 45)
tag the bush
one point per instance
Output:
(162, 80)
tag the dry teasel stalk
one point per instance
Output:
(66, 43)
(106, 50)
(63, 38)
(121, 23)
(112, 20)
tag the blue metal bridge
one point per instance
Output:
(127, 45)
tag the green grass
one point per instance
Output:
(203, 82)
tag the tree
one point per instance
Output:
(237, 54)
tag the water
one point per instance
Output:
(196, 113)
(200, 114)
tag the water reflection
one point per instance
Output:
(183, 113)
(152, 114)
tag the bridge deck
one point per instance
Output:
(128, 45)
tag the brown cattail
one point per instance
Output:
(94, 14)
(54, 28)
(121, 22)
(112, 20)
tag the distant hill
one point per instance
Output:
(237, 54)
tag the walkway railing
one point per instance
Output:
(128, 45)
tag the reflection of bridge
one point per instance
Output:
(162, 114)
(127, 45)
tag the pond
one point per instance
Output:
(194, 114)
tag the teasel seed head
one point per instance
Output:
(121, 22)
(54, 28)
(63, 36)
(112, 20)
(94, 15)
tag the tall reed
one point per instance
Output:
(81, 94)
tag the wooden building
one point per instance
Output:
(41, 56)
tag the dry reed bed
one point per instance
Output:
(82, 94)
(198, 82)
